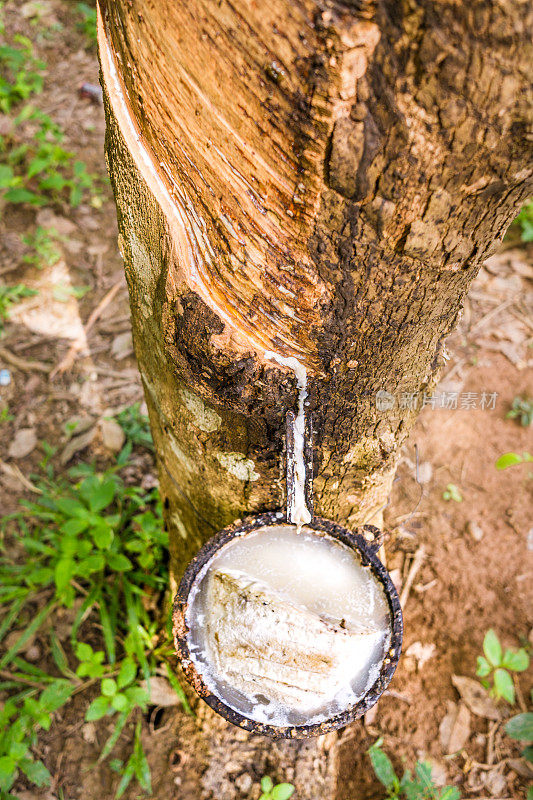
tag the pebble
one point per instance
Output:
(5, 377)
(23, 443)
(113, 437)
(475, 530)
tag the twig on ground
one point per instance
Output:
(23, 363)
(8, 676)
(490, 742)
(67, 362)
(490, 314)
(519, 695)
(14, 472)
(411, 575)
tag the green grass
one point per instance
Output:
(525, 221)
(87, 22)
(35, 168)
(92, 543)
(9, 296)
(417, 786)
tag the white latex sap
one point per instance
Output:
(318, 581)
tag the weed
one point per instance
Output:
(136, 426)
(20, 72)
(5, 416)
(452, 492)
(9, 295)
(20, 719)
(278, 791)
(42, 247)
(34, 166)
(497, 664)
(522, 409)
(87, 24)
(525, 221)
(510, 459)
(38, 169)
(521, 728)
(417, 787)
(96, 545)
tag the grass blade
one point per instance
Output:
(109, 634)
(12, 615)
(32, 628)
(113, 739)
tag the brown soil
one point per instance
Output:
(464, 585)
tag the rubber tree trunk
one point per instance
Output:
(317, 179)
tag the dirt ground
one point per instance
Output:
(463, 567)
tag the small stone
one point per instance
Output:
(370, 716)
(149, 481)
(13, 637)
(33, 653)
(475, 530)
(23, 443)
(122, 345)
(88, 732)
(113, 437)
(244, 783)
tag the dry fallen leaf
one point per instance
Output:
(161, 692)
(76, 444)
(476, 697)
(23, 443)
(454, 729)
(113, 437)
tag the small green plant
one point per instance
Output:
(136, 426)
(525, 221)
(419, 786)
(36, 168)
(452, 492)
(137, 766)
(20, 72)
(278, 791)
(91, 541)
(498, 665)
(522, 409)
(43, 250)
(9, 295)
(510, 459)
(520, 728)
(87, 23)
(20, 718)
(5, 416)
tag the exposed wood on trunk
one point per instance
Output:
(318, 179)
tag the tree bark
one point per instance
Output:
(317, 179)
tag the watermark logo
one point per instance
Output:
(384, 400)
(483, 401)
